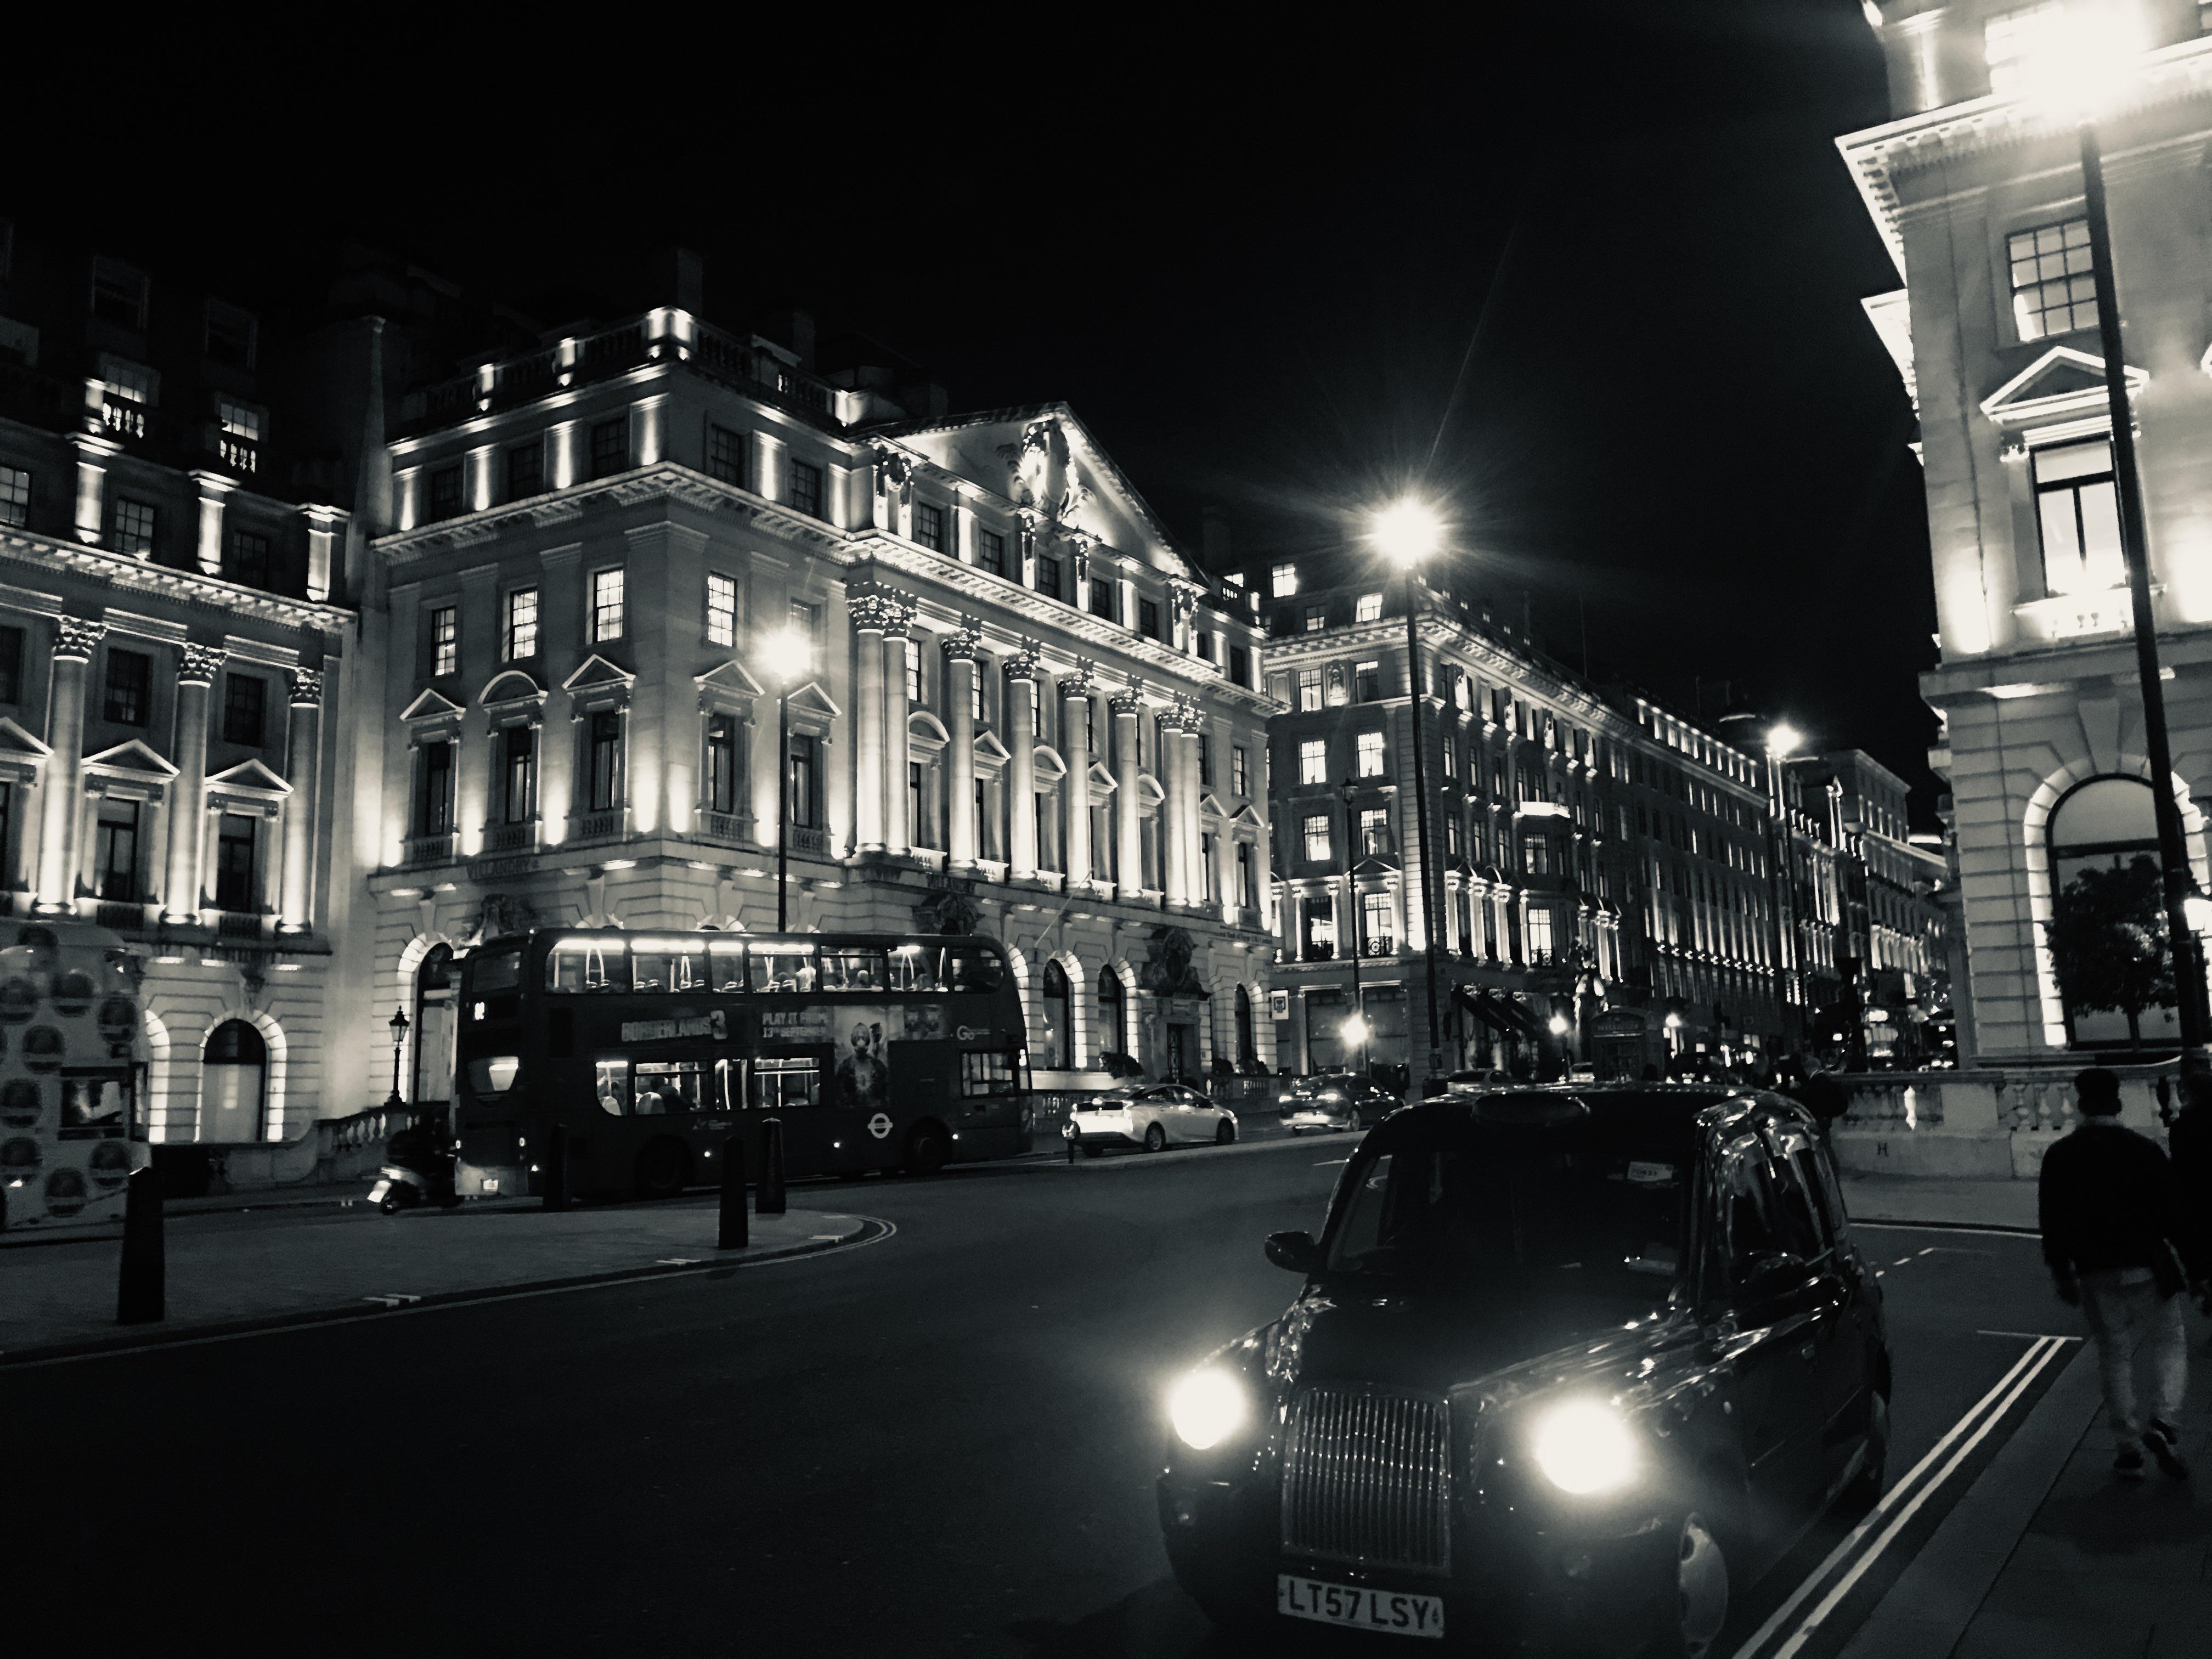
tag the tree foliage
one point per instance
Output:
(2108, 942)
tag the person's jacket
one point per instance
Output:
(2108, 1200)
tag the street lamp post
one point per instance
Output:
(786, 655)
(1782, 741)
(398, 1024)
(1355, 1029)
(1407, 533)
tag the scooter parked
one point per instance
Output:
(398, 1188)
(418, 1169)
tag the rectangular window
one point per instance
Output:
(248, 564)
(11, 666)
(134, 527)
(991, 551)
(1539, 936)
(525, 470)
(2053, 291)
(519, 774)
(436, 817)
(610, 447)
(2012, 41)
(1313, 760)
(606, 604)
(929, 526)
(976, 691)
(721, 610)
(1048, 578)
(15, 497)
(722, 763)
(1317, 838)
(521, 639)
(1308, 691)
(444, 641)
(604, 770)
(1102, 598)
(1320, 929)
(118, 293)
(986, 1071)
(130, 679)
(726, 455)
(1282, 580)
(2077, 506)
(806, 480)
(807, 619)
(1205, 645)
(446, 492)
(1536, 856)
(234, 863)
(1148, 619)
(1370, 754)
(1239, 776)
(1240, 664)
(115, 851)
(802, 765)
(229, 336)
(1368, 608)
(1317, 618)
(1375, 832)
(1367, 679)
(913, 669)
(1375, 923)
(244, 708)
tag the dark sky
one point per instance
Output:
(1588, 274)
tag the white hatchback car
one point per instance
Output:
(1152, 1115)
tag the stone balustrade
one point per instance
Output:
(1990, 1122)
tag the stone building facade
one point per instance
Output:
(1978, 193)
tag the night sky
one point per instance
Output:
(1589, 275)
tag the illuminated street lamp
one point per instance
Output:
(1356, 1033)
(1783, 740)
(398, 1026)
(1408, 532)
(784, 656)
(2081, 60)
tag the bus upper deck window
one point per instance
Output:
(487, 973)
(725, 963)
(588, 965)
(968, 967)
(915, 967)
(668, 964)
(853, 969)
(782, 967)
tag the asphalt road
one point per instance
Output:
(943, 1443)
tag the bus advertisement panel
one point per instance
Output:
(69, 1048)
(650, 1050)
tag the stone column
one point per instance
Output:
(1075, 745)
(62, 802)
(897, 832)
(215, 493)
(180, 885)
(1021, 764)
(1175, 847)
(960, 763)
(870, 615)
(91, 515)
(1129, 820)
(300, 750)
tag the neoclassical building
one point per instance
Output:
(1024, 710)
(1978, 193)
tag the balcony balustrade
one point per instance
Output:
(511, 837)
(799, 838)
(435, 847)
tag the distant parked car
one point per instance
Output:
(1152, 1115)
(1336, 1101)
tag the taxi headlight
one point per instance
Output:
(1586, 1448)
(1207, 1407)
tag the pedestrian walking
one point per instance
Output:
(2113, 1236)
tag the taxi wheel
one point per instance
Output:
(1226, 1134)
(1156, 1139)
(1697, 1610)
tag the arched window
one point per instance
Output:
(1246, 1054)
(1059, 1026)
(2105, 824)
(1113, 1013)
(233, 1083)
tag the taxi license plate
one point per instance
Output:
(1390, 1612)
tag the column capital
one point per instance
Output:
(1186, 716)
(873, 611)
(1024, 664)
(899, 619)
(1082, 682)
(74, 637)
(200, 664)
(1129, 701)
(963, 642)
(308, 687)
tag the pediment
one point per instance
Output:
(2061, 381)
(1149, 790)
(250, 774)
(511, 686)
(1244, 814)
(595, 672)
(430, 706)
(923, 724)
(989, 748)
(812, 699)
(730, 677)
(134, 757)
(1048, 763)
(1102, 779)
(18, 745)
(1376, 867)
(1209, 806)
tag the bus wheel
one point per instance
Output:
(927, 1150)
(660, 1169)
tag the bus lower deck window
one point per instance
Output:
(610, 1086)
(985, 1073)
(781, 1082)
(666, 1088)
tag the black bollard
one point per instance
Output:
(769, 1199)
(734, 1232)
(141, 1297)
(554, 1185)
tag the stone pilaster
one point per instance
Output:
(180, 885)
(897, 832)
(1021, 764)
(61, 806)
(1075, 745)
(1127, 708)
(872, 613)
(300, 750)
(960, 763)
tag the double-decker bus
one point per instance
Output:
(651, 1049)
(70, 1060)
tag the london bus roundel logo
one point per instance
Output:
(879, 1125)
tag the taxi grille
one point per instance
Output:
(1367, 1479)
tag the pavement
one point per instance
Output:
(1941, 1201)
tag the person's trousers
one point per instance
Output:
(2125, 1318)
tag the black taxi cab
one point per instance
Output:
(1570, 1366)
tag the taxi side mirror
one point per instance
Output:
(1772, 1275)
(1295, 1251)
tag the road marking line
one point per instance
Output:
(1858, 1225)
(1931, 1250)
(398, 1300)
(683, 1261)
(2033, 1336)
(1812, 1580)
(1905, 1261)
(2045, 1352)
